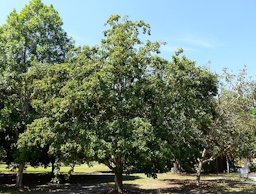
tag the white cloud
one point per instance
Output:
(199, 42)
(169, 48)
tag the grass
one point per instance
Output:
(64, 169)
(99, 179)
(185, 182)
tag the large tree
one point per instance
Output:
(99, 112)
(121, 104)
(33, 36)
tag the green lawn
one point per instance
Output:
(64, 169)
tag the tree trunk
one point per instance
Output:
(53, 168)
(176, 167)
(119, 178)
(200, 166)
(246, 166)
(198, 172)
(227, 162)
(19, 175)
(71, 170)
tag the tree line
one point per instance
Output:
(118, 103)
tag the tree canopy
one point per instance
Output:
(120, 103)
(33, 36)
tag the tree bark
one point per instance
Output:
(199, 168)
(198, 172)
(176, 167)
(71, 170)
(119, 178)
(246, 166)
(53, 168)
(227, 162)
(19, 175)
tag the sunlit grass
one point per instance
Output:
(64, 169)
(218, 183)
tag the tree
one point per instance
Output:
(189, 108)
(31, 37)
(120, 92)
(232, 128)
(120, 104)
(97, 112)
(60, 126)
(239, 94)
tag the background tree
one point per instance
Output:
(239, 101)
(57, 94)
(33, 36)
(188, 110)
(232, 131)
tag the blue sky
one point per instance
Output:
(216, 34)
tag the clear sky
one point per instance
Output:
(222, 32)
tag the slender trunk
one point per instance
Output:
(19, 175)
(227, 162)
(119, 178)
(53, 165)
(53, 168)
(56, 172)
(199, 168)
(198, 172)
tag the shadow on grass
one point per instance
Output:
(77, 183)
(103, 183)
(218, 186)
(207, 186)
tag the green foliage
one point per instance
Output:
(33, 36)
(96, 101)
(122, 105)
(191, 91)
(33, 145)
(56, 98)
(253, 111)
(235, 126)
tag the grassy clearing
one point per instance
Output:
(98, 179)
